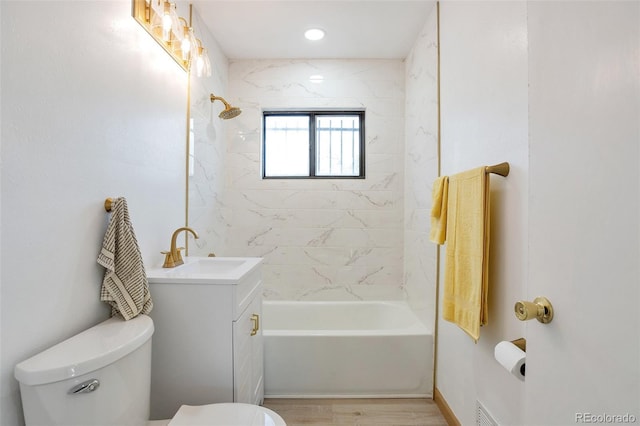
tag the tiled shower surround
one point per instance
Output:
(325, 239)
(420, 170)
(336, 239)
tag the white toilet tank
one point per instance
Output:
(98, 377)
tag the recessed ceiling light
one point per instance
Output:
(314, 34)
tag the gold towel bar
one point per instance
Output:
(501, 169)
(108, 203)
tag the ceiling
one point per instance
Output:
(355, 29)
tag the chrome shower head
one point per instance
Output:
(229, 111)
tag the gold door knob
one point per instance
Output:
(539, 309)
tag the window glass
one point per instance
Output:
(286, 146)
(315, 144)
(337, 145)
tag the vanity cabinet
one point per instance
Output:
(207, 343)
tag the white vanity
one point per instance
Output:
(207, 344)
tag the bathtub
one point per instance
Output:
(345, 350)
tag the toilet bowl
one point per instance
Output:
(222, 414)
(102, 376)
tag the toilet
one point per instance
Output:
(102, 376)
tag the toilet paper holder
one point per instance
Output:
(521, 343)
(512, 356)
(539, 309)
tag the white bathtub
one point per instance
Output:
(345, 349)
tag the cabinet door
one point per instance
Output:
(257, 354)
(248, 355)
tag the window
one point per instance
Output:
(313, 144)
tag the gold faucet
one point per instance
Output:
(173, 257)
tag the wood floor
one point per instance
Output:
(357, 412)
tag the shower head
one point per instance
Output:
(229, 111)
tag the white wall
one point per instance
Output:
(565, 221)
(484, 121)
(421, 169)
(321, 239)
(92, 107)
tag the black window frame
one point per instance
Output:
(312, 114)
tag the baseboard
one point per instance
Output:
(446, 411)
(346, 396)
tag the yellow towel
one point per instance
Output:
(125, 285)
(467, 253)
(439, 195)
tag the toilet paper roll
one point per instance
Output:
(511, 357)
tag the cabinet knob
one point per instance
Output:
(255, 319)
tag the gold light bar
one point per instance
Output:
(148, 15)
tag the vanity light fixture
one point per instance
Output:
(160, 19)
(314, 34)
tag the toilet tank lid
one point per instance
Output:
(88, 351)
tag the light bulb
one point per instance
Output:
(203, 65)
(189, 44)
(185, 47)
(166, 22)
(166, 27)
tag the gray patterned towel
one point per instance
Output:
(125, 285)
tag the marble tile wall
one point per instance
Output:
(421, 169)
(206, 206)
(321, 239)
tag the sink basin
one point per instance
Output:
(206, 270)
(212, 266)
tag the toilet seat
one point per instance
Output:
(226, 414)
